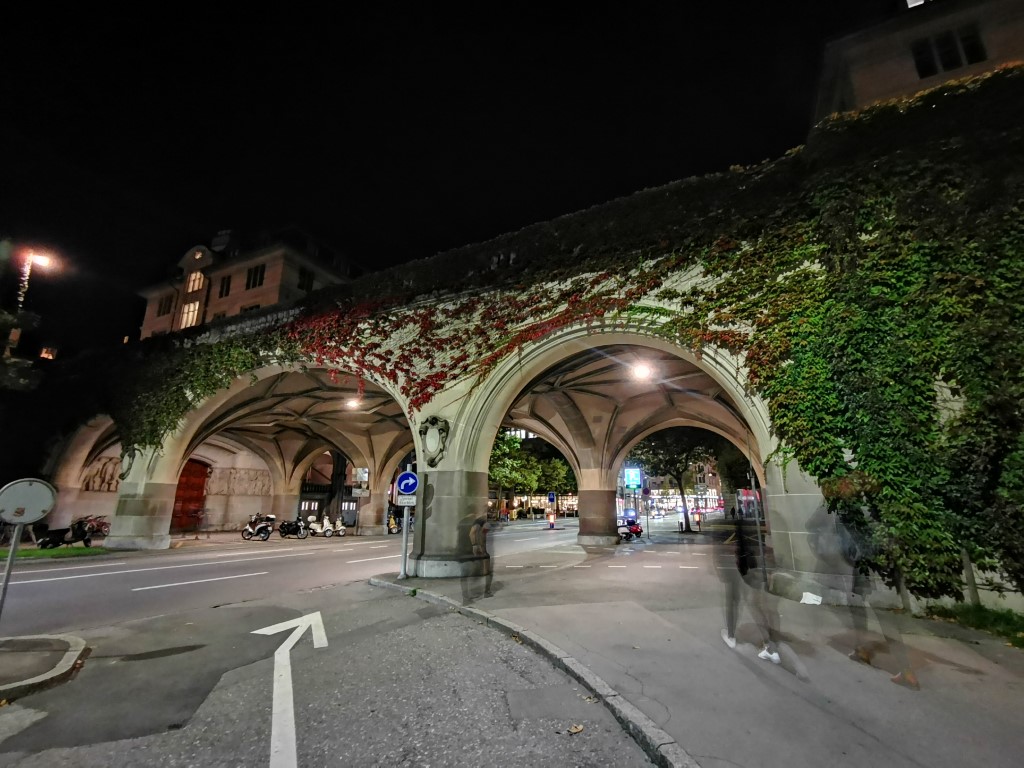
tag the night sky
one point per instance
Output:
(393, 133)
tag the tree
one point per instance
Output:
(671, 452)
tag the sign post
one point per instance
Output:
(22, 503)
(407, 484)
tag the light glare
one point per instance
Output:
(642, 371)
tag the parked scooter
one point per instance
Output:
(324, 527)
(259, 527)
(395, 522)
(630, 530)
(295, 527)
(79, 531)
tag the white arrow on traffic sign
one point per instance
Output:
(408, 482)
(282, 731)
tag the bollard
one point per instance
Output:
(551, 521)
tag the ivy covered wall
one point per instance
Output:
(871, 281)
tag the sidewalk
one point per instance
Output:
(650, 652)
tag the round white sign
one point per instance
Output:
(26, 501)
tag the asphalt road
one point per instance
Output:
(53, 596)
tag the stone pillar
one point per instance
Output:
(372, 518)
(597, 518)
(448, 504)
(64, 511)
(284, 506)
(142, 519)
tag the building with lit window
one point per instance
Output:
(921, 46)
(234, 276)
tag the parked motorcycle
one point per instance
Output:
(293, 528)
(324, 527)
(54, 537)
(97, 524)
(259, 527)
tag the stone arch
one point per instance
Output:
(596, 441)
(483, 410)
(284, 416)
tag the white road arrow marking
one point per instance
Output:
(282, 732)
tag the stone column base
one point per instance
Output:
(438, 568)
(597, 540)
(155, 541)
(369, 530)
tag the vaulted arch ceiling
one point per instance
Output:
(593, 404)
(297, 414)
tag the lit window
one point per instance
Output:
(48, 353)
(190, 314)
(195, 282)
(164, 307)
(225, 286)
(254, 277)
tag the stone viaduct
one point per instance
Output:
(540, 329)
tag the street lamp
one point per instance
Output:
(31, 257)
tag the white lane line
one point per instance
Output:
(368, 559)
(346, 549)
(652, 566)
(200, 581)
(581, 566)
(513, 566)
(699, 554)
(380, 546)
(668, 553)
(689, 566)
(158, 568)
(617, 566)
(72, 567)
(549, 566)
(531, 538)
(236, 554)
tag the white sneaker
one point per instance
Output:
(730, 641)
(772, 656)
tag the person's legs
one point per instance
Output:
(766, 617)
(889, 625)
(732, 584)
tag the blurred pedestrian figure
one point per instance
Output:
(858, 549)
(740, 570)
(475, 529)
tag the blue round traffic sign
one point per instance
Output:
(407, 483)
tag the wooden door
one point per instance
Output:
(190, 496)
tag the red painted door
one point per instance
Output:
(190, 496)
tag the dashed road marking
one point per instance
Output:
(368, 559)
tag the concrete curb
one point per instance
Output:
(658, 745)
(65, 668)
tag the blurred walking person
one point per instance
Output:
(742, 576)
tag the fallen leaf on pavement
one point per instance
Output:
(575, 729)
